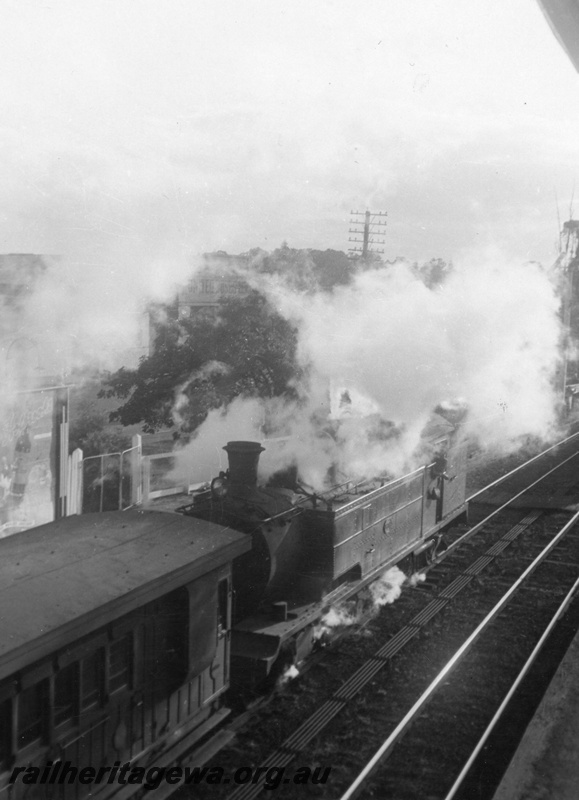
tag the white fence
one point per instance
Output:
(116, 481)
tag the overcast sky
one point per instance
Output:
(169, 128)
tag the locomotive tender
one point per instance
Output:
(121, 632)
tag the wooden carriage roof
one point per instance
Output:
(63, 580)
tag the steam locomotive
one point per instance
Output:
(310, 552)
(122, 632)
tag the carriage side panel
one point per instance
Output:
(143, 689)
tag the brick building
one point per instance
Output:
(216, 281)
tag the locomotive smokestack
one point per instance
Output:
(243, 461)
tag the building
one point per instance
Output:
(33, 403)
(218, 280)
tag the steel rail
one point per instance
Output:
(521, 466)
(471, 531)
(349, 688)
(290, 748)
(500, 710)
(410, 716)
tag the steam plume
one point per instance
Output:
(488, 338)
(383, 591)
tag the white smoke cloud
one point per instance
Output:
(205, 372)
(388, 588)
(383, 591)
(489, 337)
(78, 314)
(334, 619)
(416, 578)
(290, 674)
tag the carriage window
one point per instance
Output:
(91, 682)
(5, 730)
(66, 694)
(32, 704)
(166, 641)
(120, 663)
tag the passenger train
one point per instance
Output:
(123, 634)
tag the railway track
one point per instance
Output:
(464, 693)
(376, 697)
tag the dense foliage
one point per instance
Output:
(89, 427)
(306, 270)
(249, 350)
(200, 364)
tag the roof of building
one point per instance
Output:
(68, 578)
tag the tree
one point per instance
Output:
(433, 273)
(95, 436)
(249, 350)
(333, 268)
(90, 428)
(306, 270)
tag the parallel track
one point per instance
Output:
(308, 731)
(413, 717)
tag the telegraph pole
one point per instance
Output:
(368, 228)
(568, 264)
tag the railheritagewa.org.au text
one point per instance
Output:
(152, 777)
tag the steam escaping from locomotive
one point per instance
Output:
(381, 354)
(384, 591)
(288, 675)
(336, 618)
(388, 588)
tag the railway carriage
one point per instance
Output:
(114, 645)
